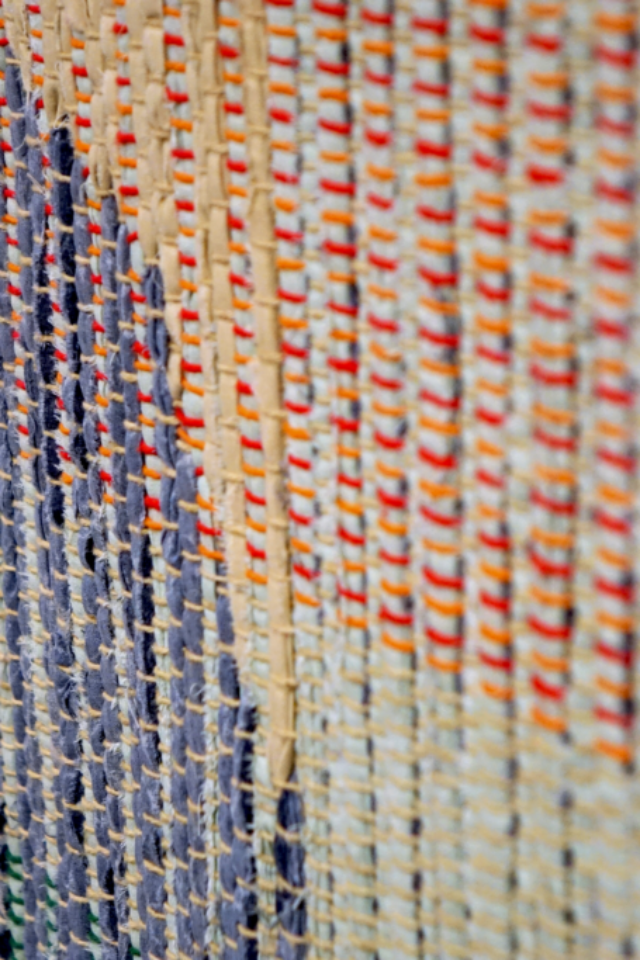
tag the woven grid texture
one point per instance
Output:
(319, 509)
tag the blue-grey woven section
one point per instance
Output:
(76, 933)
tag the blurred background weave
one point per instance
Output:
(320, 519)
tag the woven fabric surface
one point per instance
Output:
(319, 510)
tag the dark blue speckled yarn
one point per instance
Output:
(6, 543)
(98, 636)
(175, 475)
(194, 725)
(28, 757)
(137, 567)
(289, 855)
(9, 517)
(32, 278)
(180, 547)
(73, 867)
(242, 816)
(112, 723)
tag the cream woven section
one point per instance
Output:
(319, 514)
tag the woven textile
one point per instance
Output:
(319, 352)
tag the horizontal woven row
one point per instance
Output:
(319, 510)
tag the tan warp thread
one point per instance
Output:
(227, 480)
(261, 236)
